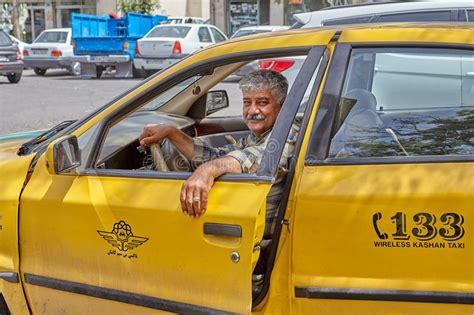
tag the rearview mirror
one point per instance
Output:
(216, 100)
(63, 155)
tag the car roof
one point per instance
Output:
(376, 32)
(183, 24)
(316, 18)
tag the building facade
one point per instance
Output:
(34, 16)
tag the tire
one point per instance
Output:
(98, 71)
(75, 68)
(137, 73)
(14, 77)
(149, 73)
(40, 71)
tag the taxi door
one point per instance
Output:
(116, 241)
(383, 221)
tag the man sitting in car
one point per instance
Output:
(264, 92)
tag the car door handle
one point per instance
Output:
(222, 229)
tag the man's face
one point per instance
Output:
(260, 111)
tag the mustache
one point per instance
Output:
(258, 117)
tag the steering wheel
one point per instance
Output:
(159, 163)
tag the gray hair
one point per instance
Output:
(266, 79)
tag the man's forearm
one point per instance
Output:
(182, 142)
(221, 166)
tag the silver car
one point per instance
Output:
(11, 64)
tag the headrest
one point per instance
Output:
(363, 99)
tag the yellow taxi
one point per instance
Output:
(377, 214)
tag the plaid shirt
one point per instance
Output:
(248, 151)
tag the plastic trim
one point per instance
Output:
(120, 296)
(385, 295)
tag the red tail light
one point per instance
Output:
(25, 52)
(137, 50)
(276, 65)
(18, 55)
(177, 48)
(56, 53)
(73, 44)
(126, 46)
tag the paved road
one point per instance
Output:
(41, 102)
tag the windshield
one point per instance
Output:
(170, 31)
(52, 37)
(169, 94)
(5, 39)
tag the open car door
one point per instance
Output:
(116, 241)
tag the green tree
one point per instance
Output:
(138, 6)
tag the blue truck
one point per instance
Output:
(103, 41)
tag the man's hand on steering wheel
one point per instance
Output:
(153, 133)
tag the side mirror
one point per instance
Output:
(63, 155)
(216, 100)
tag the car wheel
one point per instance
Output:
(149, 73)
(98, 71)
(75, 68)
(40, 71)
(14, 77)
(137, 73)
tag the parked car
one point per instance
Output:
(376, 215)
(11, 64)
(251, 30)
(21, 44)
(432, 11)
(184, 20)
(51, 49)
(420, 11)
(164, 45)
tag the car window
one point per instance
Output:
(430, 16)
(350, 20)
(217, 35)
(163, 98)
(170, 31)
(406, 103)
(52, 37)
(183, 106)
(204, 35)
(5, 40)
(470, 15)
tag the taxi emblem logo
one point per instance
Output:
(122, 237)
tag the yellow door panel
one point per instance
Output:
(384, 227)
(129, 234)
(14, 171)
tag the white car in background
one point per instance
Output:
(251, 30)
(164, 45)
(418, 11)
(184, 19)
(51, 49)
(21, 45)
